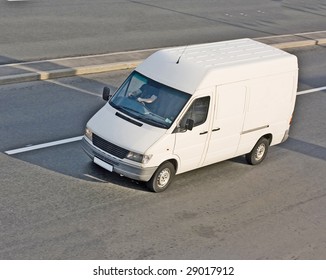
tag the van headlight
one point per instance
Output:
(138, 157)
(89, 134)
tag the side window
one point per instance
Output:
(197, 112)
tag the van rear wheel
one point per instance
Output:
(162, 177)
(259, 152)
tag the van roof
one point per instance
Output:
(203, 65)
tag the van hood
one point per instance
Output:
(124, 131)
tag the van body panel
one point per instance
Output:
(205, 65)
(227, 122)
(257, 67)
(171, 73)
(162, 150)
(122, 132)
(191, 145)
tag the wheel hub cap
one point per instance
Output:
(260, 152)
(163, 178)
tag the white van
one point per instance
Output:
(188, 107)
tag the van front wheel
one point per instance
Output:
(162, 177)
(259, 152)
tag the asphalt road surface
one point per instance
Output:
(56, 204)
(38, 29)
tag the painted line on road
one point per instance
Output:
(311, 90)
(42, 146)
(78, 138)
(73, 88)
(95, 178)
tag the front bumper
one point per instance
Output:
(286, 135)
(119, 166)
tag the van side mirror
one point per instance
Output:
(189, 124)
(106, 93)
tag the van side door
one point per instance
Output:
(191, 144)
(227, 122)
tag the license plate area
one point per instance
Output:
(103, 164)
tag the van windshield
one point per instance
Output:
(149, 101)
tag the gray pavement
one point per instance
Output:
(56, 204)
(65, 67)
(46, 29)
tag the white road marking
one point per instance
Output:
(73, 88)
(31, 147)
(311, 90)
(41, 146)
(95, 178)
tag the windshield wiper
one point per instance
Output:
(124, 108)
(139, 116)
(157, 123)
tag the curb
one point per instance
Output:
(67, 72)
(295, 40)
(281, 42)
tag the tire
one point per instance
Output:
(162, 177)
(259, 152)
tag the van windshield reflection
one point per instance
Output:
(149, 101)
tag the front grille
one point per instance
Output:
(109, 147)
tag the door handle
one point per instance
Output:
(216, 129)
(204, 132)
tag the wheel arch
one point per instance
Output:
(269, 137)
(174, 162)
